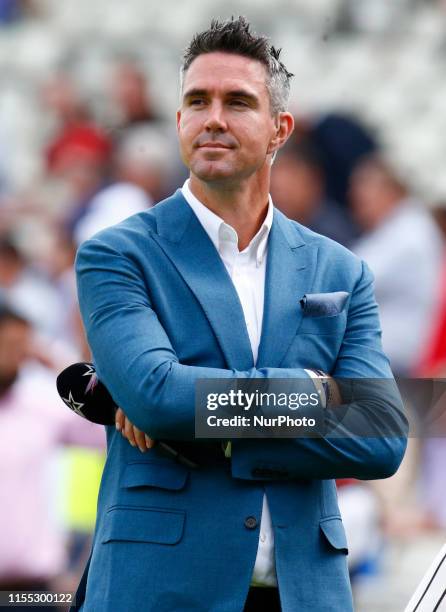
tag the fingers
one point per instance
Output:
(135, 436)
(140, 439)
(119, 419)
(149, 442)
(128, 432)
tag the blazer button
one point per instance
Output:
(250, 522)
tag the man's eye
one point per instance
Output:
(196, 102)
(239, 102)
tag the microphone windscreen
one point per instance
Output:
(82, 391)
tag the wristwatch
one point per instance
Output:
(321, 381)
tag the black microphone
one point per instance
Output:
(82, 391)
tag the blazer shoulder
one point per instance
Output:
(333, 259)
(325, 244)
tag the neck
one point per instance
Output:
(243, 206)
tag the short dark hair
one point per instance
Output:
(235, 36)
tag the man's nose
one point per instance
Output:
(215, 120)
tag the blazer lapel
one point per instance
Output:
(290, 271)
(189, 248)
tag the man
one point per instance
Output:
(33, 552)
(405, 251)
(210, 284)
(394, 221)
(298, 189)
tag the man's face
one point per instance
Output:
(371, 196)
(296, 187)
(225, 126)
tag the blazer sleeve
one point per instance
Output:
(135, 359)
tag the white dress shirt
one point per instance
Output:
(247, 271)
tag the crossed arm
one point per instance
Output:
(135, 359)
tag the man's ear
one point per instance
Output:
(178, 119)
(284, 128)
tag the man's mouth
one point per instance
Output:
(213, 145)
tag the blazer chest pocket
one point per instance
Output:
(155, 473)
(138, 524)
(324, 325)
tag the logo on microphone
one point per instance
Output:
(75, 406)
(93, 377)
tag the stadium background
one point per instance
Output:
(87, 135)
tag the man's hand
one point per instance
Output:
(135, 436)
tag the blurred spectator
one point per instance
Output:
(33, 422)
(58, 262)
(143, 158)
(80, 157)
(341, 141)
(27, 289)
(79, 141)
(110, 206)
(432, 361)
(130, 92)
(62, 100)
(404, 248)
(298, 190)
(432, 364)
(362, 517)
(9, 11)
(141, 170)
(439, 213)
(12, 10)
(432, 482)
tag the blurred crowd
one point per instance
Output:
(335, 176)
(93, 176)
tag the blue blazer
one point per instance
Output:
(160, 312)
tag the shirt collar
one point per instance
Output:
(220, 232)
